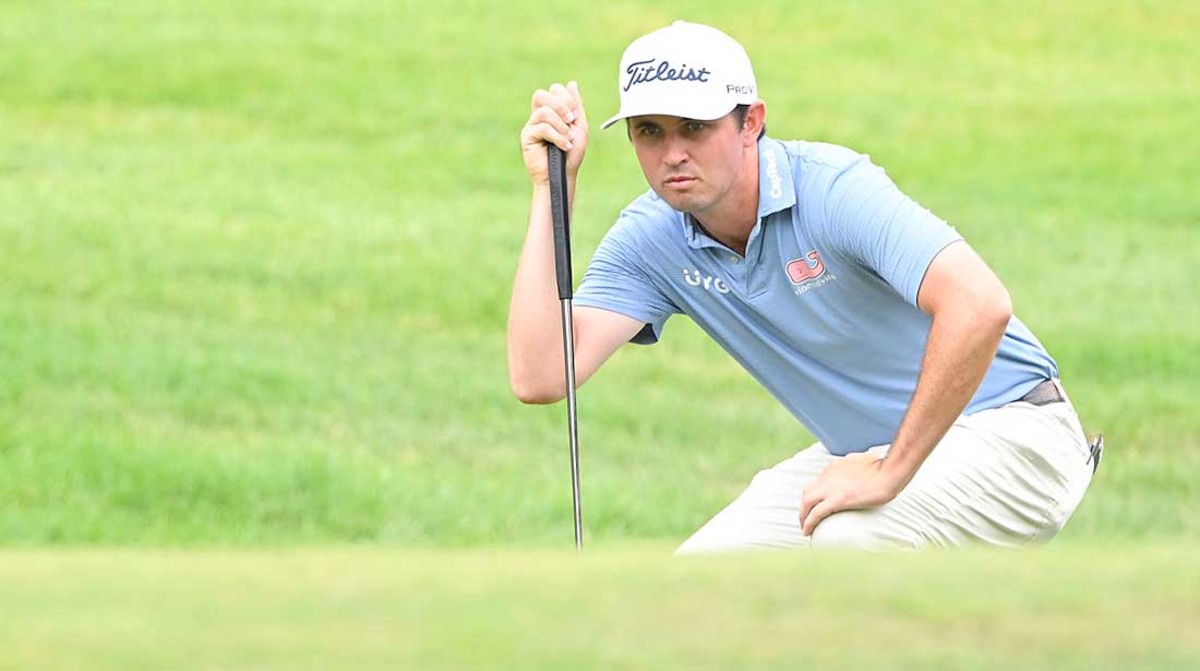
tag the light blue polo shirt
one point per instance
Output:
(822, 308)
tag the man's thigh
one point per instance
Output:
(1001, 477)
(766, 514)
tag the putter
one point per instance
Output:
(562, 267)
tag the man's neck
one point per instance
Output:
(731, 221)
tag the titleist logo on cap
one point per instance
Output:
(646, 71)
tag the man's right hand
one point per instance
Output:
(557, 117)
(535, 348)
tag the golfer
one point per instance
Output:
(940, 418)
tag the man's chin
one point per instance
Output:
(682, 202)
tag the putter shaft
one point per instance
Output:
(572, 416)
(560, 216)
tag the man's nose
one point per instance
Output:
(676, 152)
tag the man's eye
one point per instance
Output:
(695, 126)
(648, 131)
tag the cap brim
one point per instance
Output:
(699, 115)
(614, 119)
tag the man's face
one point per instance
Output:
(690, 164)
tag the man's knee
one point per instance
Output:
(700, 544)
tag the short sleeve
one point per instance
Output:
(870, 220)
(616, 280)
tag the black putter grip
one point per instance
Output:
(561, 218)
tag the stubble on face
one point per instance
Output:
(690, 163)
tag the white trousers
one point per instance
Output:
(1004, 477)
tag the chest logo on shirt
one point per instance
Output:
(808, 272)
(696, 279)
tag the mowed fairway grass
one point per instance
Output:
(255, 260)
(1075, 609)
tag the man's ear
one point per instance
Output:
(756, 119)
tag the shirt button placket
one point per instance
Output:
(736, 271)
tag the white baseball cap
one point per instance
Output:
(686, 70)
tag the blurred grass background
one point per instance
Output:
(255, 257)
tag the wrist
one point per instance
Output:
(895, 473)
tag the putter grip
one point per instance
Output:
(560, 214)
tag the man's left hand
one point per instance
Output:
(850, 483)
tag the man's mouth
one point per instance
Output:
(679, 182)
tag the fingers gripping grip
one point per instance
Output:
(561, 219)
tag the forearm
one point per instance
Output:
(535, 350)
(961, 346)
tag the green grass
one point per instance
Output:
(255, 257)
(1065, 608)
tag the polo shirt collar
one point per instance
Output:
(776, 188)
